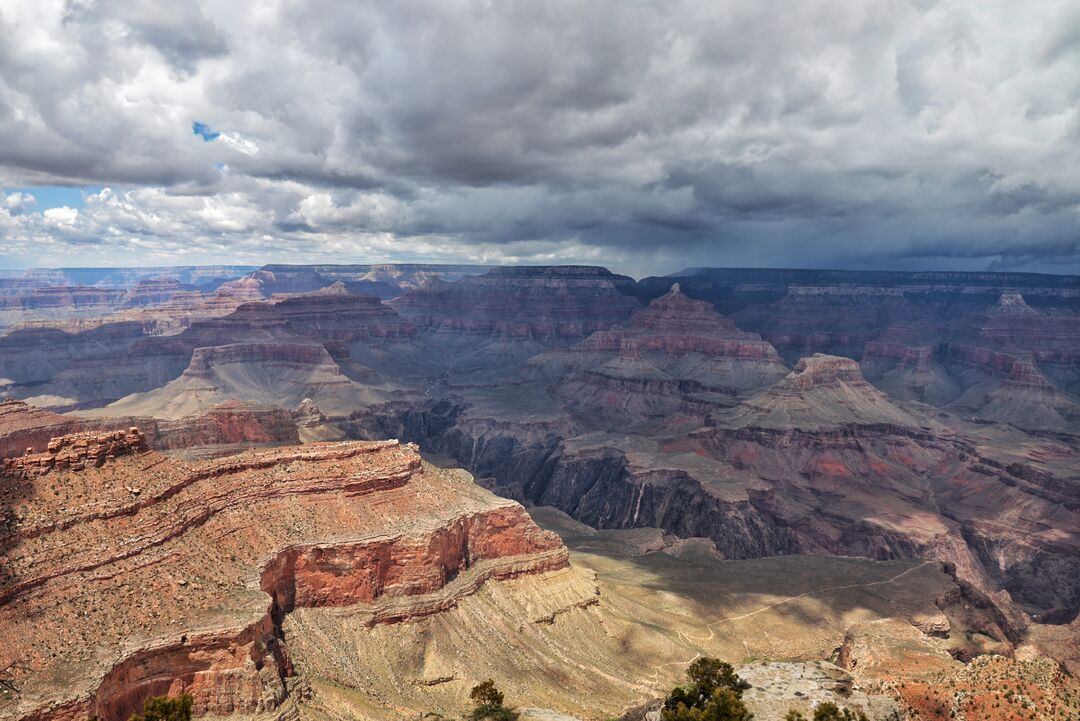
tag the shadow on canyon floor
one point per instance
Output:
(777, 607)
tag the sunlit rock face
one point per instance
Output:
(143, 575)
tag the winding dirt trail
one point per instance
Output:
(789, 599)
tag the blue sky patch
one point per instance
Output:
(56, 196)
(204, 130)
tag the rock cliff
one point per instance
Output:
(129, 574)
(25, 428)
(550, 304)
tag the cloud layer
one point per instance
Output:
(646, 136)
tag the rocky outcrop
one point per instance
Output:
(181, 583)
(821, 391)
(76, 452)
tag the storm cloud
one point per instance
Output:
(645, 136)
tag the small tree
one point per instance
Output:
(705, 674)
(166, 708)
(714, 693)
(489, 704)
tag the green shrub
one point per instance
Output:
(723, 705)
(714, 693)
(165, 708)
(489, 704)
(705, 674)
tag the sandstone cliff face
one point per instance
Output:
(146, 575)
(23, 426)
(228, 424)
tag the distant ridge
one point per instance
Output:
(879, 277)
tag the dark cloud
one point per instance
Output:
(648, 135)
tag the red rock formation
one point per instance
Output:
(26, 428)
(230, 423)
(76, 452)
(665, 359)
(148, 575)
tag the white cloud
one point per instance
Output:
(17, 201)
(652, 134)
(62, 217)
(239, 144)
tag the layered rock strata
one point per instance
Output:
(27, 429)
(148, 575)
(273, 373)
(75, 452)
(667, 358)
(549, 304)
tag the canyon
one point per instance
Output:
(781, 425)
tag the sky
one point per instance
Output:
(645, 136)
